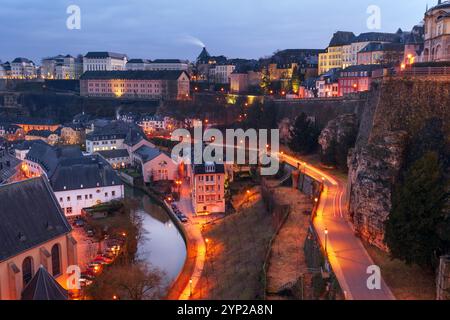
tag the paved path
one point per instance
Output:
(193, 229)
(346, 253)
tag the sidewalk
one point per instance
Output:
(196, 250)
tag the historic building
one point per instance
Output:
(437, 33)
(169, 85)
(33, 233)
(356, 78)
(168, 64)
(334, 55)
(155, 164)
(23, 68)
(381, 53)
(62, 67)
(104, 61)
(207, 187)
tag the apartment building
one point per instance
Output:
(104, 61)
(207, 188)
(168, 85)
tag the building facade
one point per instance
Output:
(169, 85)
(168, 64)
(356, 79)
(207, 188)
(34, 233)
(104, 61)
(155, 165)
(23, 68)
(437, 33)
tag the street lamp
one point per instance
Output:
(190, 287)
(326, 241)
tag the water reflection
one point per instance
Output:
(162, 245)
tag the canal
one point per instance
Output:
(162, 245)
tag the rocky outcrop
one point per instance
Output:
(373, 169)
(338, 130)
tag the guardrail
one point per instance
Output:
(424, 71)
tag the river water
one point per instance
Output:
(162, 245)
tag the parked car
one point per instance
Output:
(184, 219)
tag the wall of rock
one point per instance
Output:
(393, 114)
(373, 170)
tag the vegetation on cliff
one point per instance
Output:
(418, 227)
(304, 135)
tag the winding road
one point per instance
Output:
(347, 255)
(348, 258)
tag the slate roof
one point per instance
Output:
(378, 46)
(203, 56)
(443, 5)
(30, 216)
(49, 156)
(111, 154)
(104, 54)
(378, 36)
(27, 144)
(8, 165)
(44, 287)
(83, 173)
(40, 133)
(201, 168)
(21, 60)
(167, 61)
(147, 153)
(109, 130)
(29, 120)
(133, 75)
(138, 61)
(342, 38)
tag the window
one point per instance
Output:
(27, 270)
(106, 194)
(68, 198)
(56, 260)
(69, 210)
(79, 197)
(113, 193)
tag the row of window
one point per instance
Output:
(86, 196)
(28, 265)
(209, 198)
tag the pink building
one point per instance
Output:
(170, 84)
(207, 185)
(356, 78)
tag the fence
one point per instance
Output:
(424, 72)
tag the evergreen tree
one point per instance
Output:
(304, 135)
(295, 81)
(265, 81)
(417, 215)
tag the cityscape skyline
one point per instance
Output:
(35, 35)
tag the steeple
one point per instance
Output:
(203, 56)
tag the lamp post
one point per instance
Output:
(190, 287)
(326, 241)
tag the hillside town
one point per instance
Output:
(89, 164)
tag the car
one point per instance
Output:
(88, 275)
(184, 219)
(84, 282)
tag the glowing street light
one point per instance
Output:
(326, 241)
(190, 287)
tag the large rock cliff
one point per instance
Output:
(339, 134)
(373, 169)
(394, 113)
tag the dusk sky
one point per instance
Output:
(167, 28)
